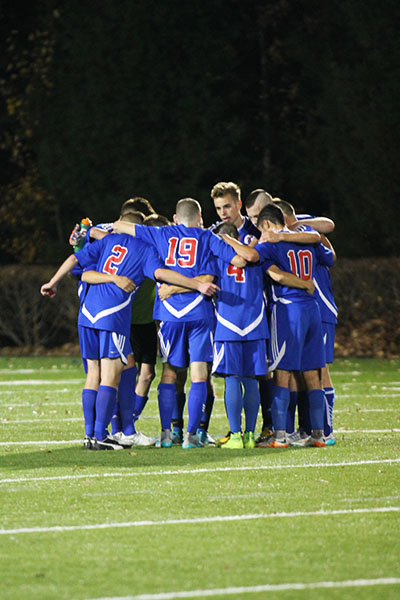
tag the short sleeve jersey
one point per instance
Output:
(323, 289)
(240, 305)
(105, 305)
(299, 259)
(189, 251)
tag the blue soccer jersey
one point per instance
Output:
(240, 305)
(105, 305)
(247, 231)
(323, 288)
(189, 251)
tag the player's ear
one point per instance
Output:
(175, 220)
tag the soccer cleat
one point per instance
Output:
(318, 442)
(177, 436)
(87, 443)
(248, 440)
(107, 444)
(191, 440)
(330, 440)
(205, 438)
(136, 439)
(273, 442)
(297, 438)
(224, 439)
(235, 442)
(165, 440)
(263, 437)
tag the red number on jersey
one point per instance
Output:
(112, 260)
(301, 263)
(237, 273)
(187, 252)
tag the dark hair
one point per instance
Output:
(272, 213)
(140, 204)
(228, 228)
(156, 220)
(135, 214)
(252, 197)
(286, 207)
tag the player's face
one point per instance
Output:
(257, 207)
(228, 208)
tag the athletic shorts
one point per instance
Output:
(144, 342)
(328, 330)
(98, 343)
(244, 359)
(296, 342)
(185, 342)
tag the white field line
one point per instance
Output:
(134, 473)
(59, 419)
(21, 392)
(42, 382)
(216, 519)
(72, 442)
(279, 587)
(380, 395)
(352, 409)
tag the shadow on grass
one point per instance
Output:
(76, 459)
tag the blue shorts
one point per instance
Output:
(244, 359)
(296, 342)
(328, 330)
(185, 342)
(98, 343)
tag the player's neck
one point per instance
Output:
(238, 222)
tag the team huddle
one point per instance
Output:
(248, 300)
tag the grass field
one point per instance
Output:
(156, 524)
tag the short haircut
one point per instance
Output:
(272, 213)
(156, 220)
(226, 187)
(252, 197)
(133, 216)
(187, 211)
(228, 228)
(139, 203)
(286, 207)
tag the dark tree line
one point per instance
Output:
(102, 101)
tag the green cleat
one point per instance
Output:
(248, 439)
(235, 442)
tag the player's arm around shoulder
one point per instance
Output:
(124, 227)
(246, 253)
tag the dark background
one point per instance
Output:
(104, 100)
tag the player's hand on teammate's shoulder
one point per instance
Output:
(270, 236)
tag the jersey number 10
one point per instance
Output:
(301, 263)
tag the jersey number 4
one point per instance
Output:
(115, 260)
(301, 263)
(237, 273)
(185, 249)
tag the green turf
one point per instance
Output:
(268, 498)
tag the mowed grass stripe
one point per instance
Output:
(202, 520)
(135, 473)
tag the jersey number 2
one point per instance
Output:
(113, 260)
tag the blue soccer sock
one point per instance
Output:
(126, 399)
(251, 402)
(89, 412)
(206, 414)
(116, 420)
(166, 401)
(196, 402)
(178, 409)
(105, 402)
(291, 412)
(279, 407)
(328, 413)
(233, 402)
(316, 400)
(304, 411)
(266, 387)
(140, 403)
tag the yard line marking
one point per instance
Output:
(279, 587)
(42, 382)
(368, 395)
(217, 519)
(59, 418)
(365, 410)
(200, 471)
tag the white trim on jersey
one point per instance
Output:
(164, 347)
(276, 299)
(80, 288)
(107, 311)
(119, 342)
(217, 357)
(277, 353)
(184, 311)
(238, 330)
(325, 299)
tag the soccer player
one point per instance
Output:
(255, 202)
(240, 336)
(185, 334)
(227, 202)
(104, 318)
(296, 342)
